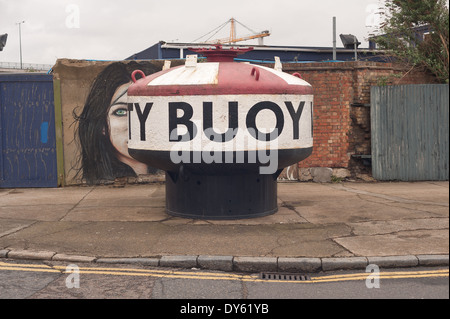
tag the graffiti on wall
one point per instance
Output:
(102, 130)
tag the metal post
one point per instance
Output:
(20, 42)
(356, 45)
(334, 38)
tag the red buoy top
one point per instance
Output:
(219, 76)
(219, 54)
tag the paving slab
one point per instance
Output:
(315, 222)
(405, 243)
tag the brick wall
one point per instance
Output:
(332, 97)
(342, 108)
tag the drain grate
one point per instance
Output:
(283, 276)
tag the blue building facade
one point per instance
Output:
(263, 54)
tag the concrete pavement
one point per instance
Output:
(318, 227)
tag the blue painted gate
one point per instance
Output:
(27, 131)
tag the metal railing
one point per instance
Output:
(25, 66)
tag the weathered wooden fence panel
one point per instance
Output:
(27, 131)
(410, 132)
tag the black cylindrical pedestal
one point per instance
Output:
(198, 196)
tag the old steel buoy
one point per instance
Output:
(222, 130)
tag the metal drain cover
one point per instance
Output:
(283, 276)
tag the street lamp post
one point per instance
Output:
(350, 42)
(20, 41)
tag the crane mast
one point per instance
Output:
(233, 36)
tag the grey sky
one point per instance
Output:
(114, 30)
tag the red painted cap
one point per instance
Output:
(219, 54)
(221, 76)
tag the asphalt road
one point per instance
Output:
(53, 280)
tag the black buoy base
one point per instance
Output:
(198, 196)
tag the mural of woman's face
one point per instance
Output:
(118, 129)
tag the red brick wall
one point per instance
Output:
(333, 94)
(341, 107)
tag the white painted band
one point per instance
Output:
(201, 74)
(288, 78)
(250, 109)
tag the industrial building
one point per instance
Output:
(261, 53)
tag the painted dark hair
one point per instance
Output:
(98, 161)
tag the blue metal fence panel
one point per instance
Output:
(27, 131)
(410, 132)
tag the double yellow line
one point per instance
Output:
(201, 275)
(384, 275)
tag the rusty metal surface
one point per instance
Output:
(211, 79)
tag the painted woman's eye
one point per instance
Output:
(120, 112)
